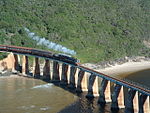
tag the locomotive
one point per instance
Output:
(66, 58)
(47, 54)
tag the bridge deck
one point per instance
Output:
(123, 82)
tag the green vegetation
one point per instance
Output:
(3, 55)
(97, 30)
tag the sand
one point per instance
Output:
(128, 67)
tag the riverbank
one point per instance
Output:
(126, 68)
(122, 66)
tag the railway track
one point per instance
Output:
(49, 55)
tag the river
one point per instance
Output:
(142, 77)
(27, 95)
(24, 95)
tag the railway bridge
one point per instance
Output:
(81, 79)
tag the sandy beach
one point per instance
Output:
(128, 67)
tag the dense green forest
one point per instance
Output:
(97, 30)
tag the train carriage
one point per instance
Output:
(42, 53)
(3, 48)
(16, 49)
(30, 51)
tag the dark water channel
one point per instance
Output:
(26, 95)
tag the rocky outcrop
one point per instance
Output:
(9, 63)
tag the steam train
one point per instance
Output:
(42, 53)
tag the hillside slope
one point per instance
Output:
(97, 30)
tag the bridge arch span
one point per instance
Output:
(82, 79)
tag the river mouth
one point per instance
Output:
(26, 95)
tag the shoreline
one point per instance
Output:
(126, 68)
(120, 69)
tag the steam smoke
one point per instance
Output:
(47, 43)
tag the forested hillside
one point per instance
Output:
(97, 30)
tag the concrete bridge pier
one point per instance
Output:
(25, 65)
(105, 93)
(82, 82)
(117, 98)
(64, 75)
(56, 76)
(93, 90)
(144, 106)
(46, 70)
(72, 84)
(132, 104)
(36, 68)
(16, 62)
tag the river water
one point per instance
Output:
(142, 77)
(24, 95)
(27, 95)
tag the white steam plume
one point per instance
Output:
(47, 43)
